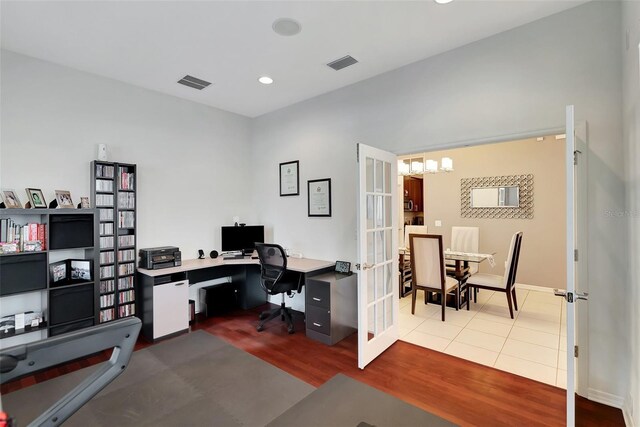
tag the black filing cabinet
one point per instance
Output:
(331, 307)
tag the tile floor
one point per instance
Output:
(532, 345)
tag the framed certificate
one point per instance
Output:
(289, 179)
(319, 197)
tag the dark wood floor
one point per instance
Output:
(458, 390)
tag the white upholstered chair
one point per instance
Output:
(504, 283)
(413, 229)
(427, 265)
(466, 239)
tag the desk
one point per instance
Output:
(165, 285)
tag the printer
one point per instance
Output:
(160, 257)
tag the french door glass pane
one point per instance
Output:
(370, 285)
(371, 316)
(369, 173)
(379, 177)
(387, 177)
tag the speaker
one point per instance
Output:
(200, 254)
(102, 152)
(213, 254)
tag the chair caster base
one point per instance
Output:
(291, 331)
(259, 328)
(263, 315)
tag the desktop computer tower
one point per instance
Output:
(219, 299)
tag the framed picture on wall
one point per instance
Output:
(319, 197)
(290, 178)
(36, 198)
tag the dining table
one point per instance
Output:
(457, 266)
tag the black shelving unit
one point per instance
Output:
(26, 275)
(113, 193)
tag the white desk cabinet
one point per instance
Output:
(170, 308)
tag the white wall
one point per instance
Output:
(631, 126)
(511, 83)
(191, 158)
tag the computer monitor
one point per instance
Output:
(241, 238)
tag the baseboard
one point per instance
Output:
(534, 288)
(627, 411)
(606, 398)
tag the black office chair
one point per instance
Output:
(276, 279)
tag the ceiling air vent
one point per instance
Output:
(193, 82)
(341, 63)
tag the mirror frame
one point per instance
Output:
(525, 196)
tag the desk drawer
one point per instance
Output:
(318, 319)
(318, 293)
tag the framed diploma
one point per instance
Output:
(319, 193)
(289, 179)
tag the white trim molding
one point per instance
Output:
(606, 398)
(533, 288)
(627, 411)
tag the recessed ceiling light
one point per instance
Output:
(443, 1)
(265, 80)
(286, 27)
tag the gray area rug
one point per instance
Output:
(192, 380)
(342, 401)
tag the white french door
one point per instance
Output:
(378, 295)
(576, 263)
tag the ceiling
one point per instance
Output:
(153, 44)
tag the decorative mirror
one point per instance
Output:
(508, 196)
(495, 197)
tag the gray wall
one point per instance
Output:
(511, 83)
(188, 155)
(631, 126)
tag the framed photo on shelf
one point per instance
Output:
(290, 178)
(58, 273)
(36, 198)
(84, 203)
(63, 197)
(10, 199)
(80, 269)
(319, 197)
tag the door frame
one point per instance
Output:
(582, 378)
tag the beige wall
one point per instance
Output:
(542, 257)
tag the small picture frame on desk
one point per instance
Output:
(290, 178)
(319, 197)
(36, 198)
(84, 203)
(10, 199)
(63, 197)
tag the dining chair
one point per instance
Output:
(413, 229)
(405, 263)
(466, 239)
(504, 283)
(427, 264)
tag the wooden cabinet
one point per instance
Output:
(413, 193)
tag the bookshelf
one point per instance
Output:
(63, 236)
(113, 193)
